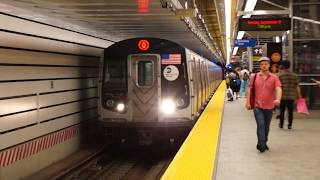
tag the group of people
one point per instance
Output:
(268, 90)
(237, 83)
(273, 86)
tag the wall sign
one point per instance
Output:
(245, 42)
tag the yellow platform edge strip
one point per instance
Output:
(196, 157)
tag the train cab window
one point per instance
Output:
(145, 73)
(115, 75)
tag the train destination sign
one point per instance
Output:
(276, 24)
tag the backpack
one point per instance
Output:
(245, 76)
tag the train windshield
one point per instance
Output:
(115, 75)
(145, 73)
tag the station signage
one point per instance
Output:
(242, 43)
(275, 24)
(257, 53)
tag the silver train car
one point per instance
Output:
(153, 90)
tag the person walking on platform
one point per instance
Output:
(290, 90)
(235, 82)
(245, 75)
(262, 88)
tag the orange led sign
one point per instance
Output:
(143, 6)
(143, 45)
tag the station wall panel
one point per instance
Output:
(20, 73)
(48, 79)
(65, 97)
(14, 24)
(14, 105)
(22, 41)
(19, 88)
(18, 120)
(26, 134)
(57, 112)
(23, 57)
(31, 114)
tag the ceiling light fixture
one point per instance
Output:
(227, 6)
(235, 49)
(249, 7)
(240, 34)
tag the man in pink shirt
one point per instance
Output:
(266, 92)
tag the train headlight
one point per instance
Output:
(168, 106)
(121, 107)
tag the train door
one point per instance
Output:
(194, 87)
(200, 83)
(207, 80)
(144, 87)
(204, 82)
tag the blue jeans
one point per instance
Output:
(244, 87)
(263, 119)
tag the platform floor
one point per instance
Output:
(293, 155)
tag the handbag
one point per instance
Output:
(302, 106)
(252, 92)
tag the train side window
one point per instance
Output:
(145, 73)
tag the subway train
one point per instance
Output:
(153, 90)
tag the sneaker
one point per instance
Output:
(278, 117)
(267, 148)
(289, 126)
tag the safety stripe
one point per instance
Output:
(197, 155)
(27, 149)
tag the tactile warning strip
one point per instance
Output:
(197, 156)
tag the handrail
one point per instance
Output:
(308, 84)
(313, 75)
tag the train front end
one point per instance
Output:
(144, 92)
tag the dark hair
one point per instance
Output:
(285, 64)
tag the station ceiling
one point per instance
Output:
(117, 20)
